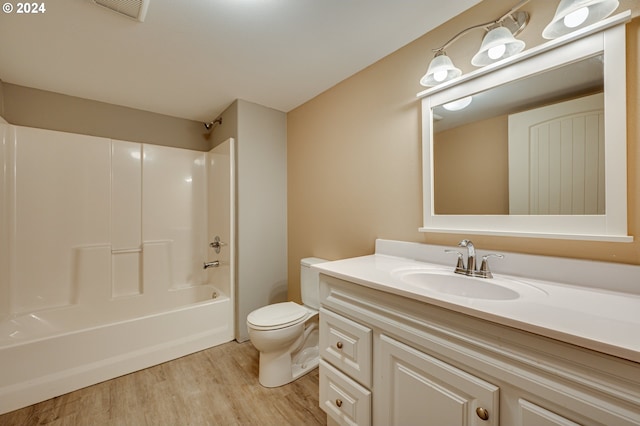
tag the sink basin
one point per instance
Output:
(447, 282)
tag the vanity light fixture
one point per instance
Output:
(499, 43)
(575, 14)
(440, 69)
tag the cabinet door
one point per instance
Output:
(413, 388)
(534, 415)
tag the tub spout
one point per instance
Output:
(213, 264)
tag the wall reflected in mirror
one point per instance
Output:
(534, 146)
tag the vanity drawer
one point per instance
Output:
(344, 400)
(347, 345)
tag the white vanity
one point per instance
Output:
(550, 342)
(547, 341)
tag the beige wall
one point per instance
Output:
(471, 174)
(354, 171)
(24, 106)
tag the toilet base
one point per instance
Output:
(307, 361)
(278, 369)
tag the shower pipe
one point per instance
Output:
(210, 124)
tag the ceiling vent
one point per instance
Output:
(136, 9)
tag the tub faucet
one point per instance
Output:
(213, 264)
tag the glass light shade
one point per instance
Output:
(498, 44)
(458, 104)
(440, 69)
(574, 14)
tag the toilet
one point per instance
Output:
(286, 334)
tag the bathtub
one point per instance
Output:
(102, 244)
(49, 353)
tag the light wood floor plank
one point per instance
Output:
(218, 386)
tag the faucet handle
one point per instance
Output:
(484, 271)
(460, 269)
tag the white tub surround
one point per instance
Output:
(563, 350)
(102, 244)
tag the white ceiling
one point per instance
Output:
(192, 58)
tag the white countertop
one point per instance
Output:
(602, 320)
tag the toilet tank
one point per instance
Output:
(310, 282)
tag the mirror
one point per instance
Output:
(489, 141)
(501, 143)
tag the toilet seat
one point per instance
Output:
(278, 315)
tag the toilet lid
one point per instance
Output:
(278, 314)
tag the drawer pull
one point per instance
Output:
(339, 403)
(482, 413)
(339, 345)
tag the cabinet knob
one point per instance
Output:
(339, 403)
(339, 345)
(482, 413)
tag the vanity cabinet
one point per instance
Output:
(391, 360)
(421, 389)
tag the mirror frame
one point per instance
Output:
(606, 37)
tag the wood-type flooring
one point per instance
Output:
(217, 386)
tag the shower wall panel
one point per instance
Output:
(126, 218)
(174, 220)
(61, 200)
(126, 205)
(6, 136)
(221, 217)
(86, 220)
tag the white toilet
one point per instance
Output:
(286, 334)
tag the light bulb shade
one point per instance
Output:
(440, 69)
(458, 104)
(597, 10)
(492, 42)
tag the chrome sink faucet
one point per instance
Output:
(471, 256)
(470, 268)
